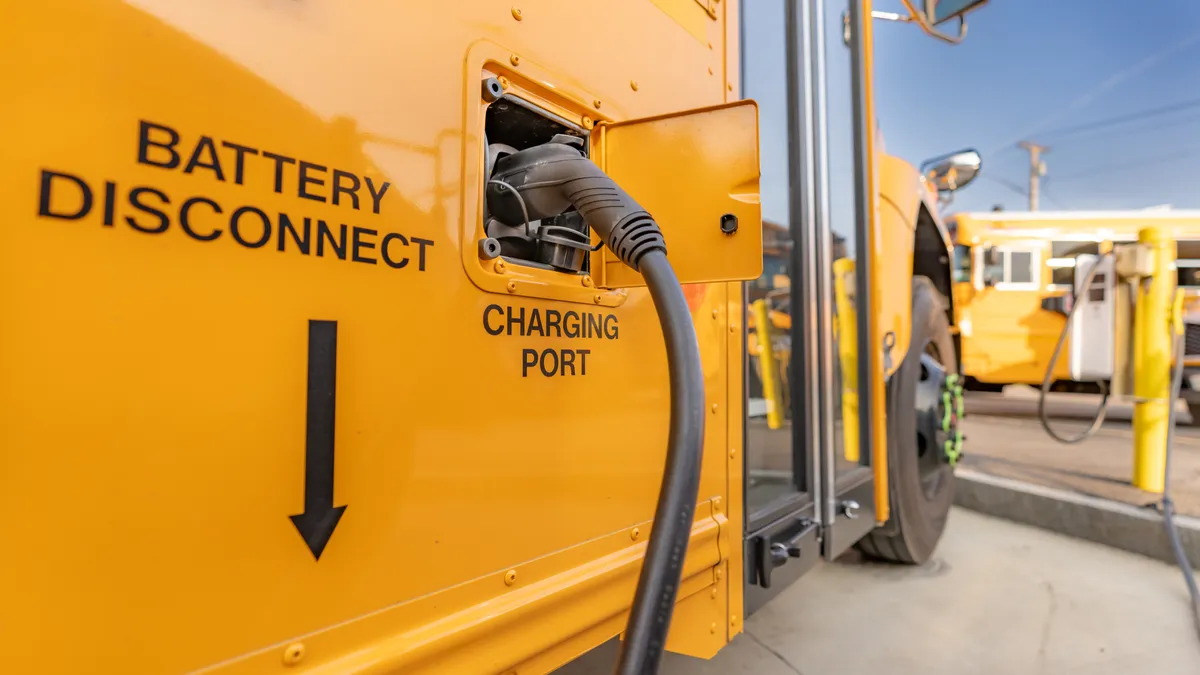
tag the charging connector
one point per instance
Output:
(548, 180)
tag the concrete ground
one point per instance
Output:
(998, 598)
(1005, 439)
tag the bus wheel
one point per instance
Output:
(1194, 411)
(924, 401)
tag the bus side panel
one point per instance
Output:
(230, 263)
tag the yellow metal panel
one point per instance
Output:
(154, 379)
(693, 15)
(690, 171)
(875, 252)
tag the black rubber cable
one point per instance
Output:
(1168, 506)
(1102, 412)
(658, 585)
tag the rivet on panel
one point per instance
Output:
(729, 86)
(732, 453)
(718, 574)
(516, 12)
(499, 266)
(596, 104)
(510, 577)
(293, 654)
(716, 313)
(714, 408)
(586, 280)
(710, 45)
(588, 123)
(713, 628)
(714, 595)
(733, 328)
(635, 533)
(733, 621)
(710, 70)
(597, 298)
(633, 85)
(512, 287)
(515, 60)
(717, 504)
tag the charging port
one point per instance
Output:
(560, 243)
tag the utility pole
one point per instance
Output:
(1037, 169)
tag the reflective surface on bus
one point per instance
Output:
(773, 474)
(842, 213)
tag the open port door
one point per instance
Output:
(697, 173)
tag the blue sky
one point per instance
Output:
(1028, 69)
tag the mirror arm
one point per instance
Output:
(923, 21)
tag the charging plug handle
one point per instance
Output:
(554, 176)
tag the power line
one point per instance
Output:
(1116, 168)
(1156, 126)
(1121, 119)
(1011, 186)
(1108, 84)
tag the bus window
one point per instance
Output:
(1012, 268)
(962, 264)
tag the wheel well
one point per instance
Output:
(932, 260)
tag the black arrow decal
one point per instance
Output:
(320, 517)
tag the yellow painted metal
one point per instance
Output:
(1153, 327)
(153, 383)
(690, 171)
(768, 368)
(875, 256)
(847, 341)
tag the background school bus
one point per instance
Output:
(1006, 263)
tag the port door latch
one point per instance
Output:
(697, 173)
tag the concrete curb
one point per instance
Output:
(1130, 528)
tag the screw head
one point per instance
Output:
(586, 281)
(516, 13)
(293, 654)
(515, 60)
(510, 577)
(597, 298)
(596, 104)
(499, 266)
(503, 81)
(729, 223)
(512, 287)
(633, 85)
(588, 123)
(635, 533)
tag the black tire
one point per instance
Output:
(1194, 411)
(920, 505)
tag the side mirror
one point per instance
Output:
(938, 12)
(951, 172)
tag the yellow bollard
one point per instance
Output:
(847, 325)
(766, 359)
(1152, 361)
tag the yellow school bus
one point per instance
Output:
(1007, 262)
(369, 336)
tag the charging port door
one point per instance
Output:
(697, 174)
